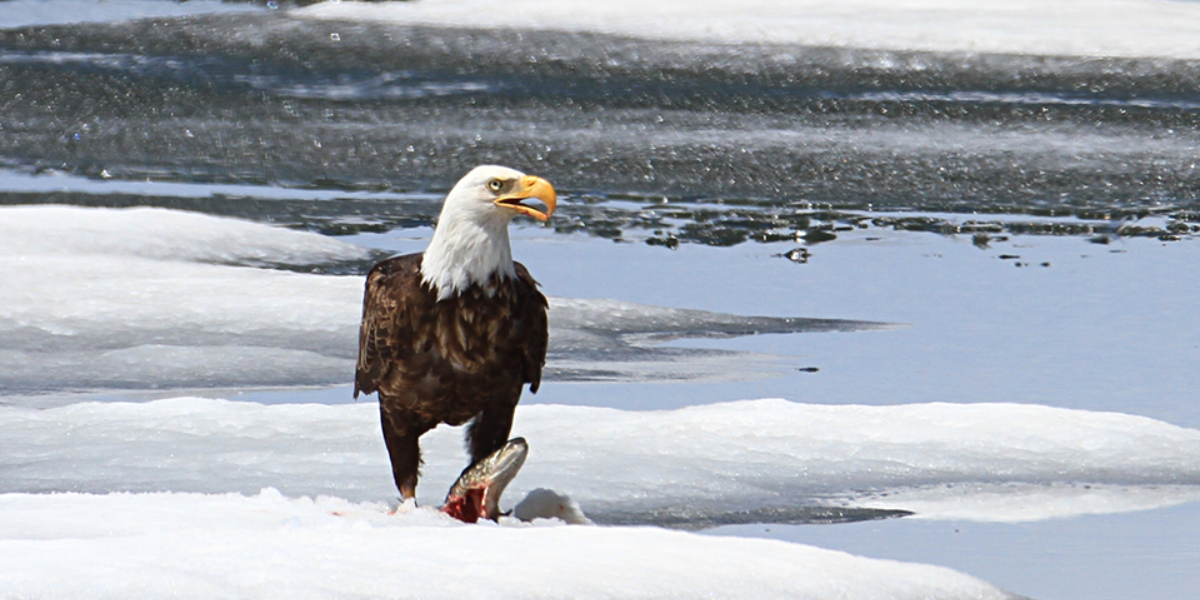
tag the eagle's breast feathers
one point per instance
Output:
(442, 360)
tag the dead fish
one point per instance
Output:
(477, 492)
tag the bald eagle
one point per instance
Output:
(453, 334)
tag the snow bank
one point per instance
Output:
(165, 235)
(50, 180)
(703, 464)
(25, 13)
(155, 298)
(151, 297)
(1132, 28)
(268, 546)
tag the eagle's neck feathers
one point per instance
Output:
(469, 247)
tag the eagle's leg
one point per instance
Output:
(489, 431)
(402, 440)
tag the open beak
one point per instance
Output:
(530, 187)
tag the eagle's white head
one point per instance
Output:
(470, 244)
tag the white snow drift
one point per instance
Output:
(155, 298)
(147, 298)
(26, 13)
(330, 534)
(988, 462)
(162, 235)
(1137, 28)
(267, 546)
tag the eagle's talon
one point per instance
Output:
(405, 507)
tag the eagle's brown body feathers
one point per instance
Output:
(449, 361)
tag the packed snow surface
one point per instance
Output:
(1129, 28)
(163, 235)
(50, 180)
(154, 298)
(269, 546)
(987, 462)
(26, 13)
(204, 498)
(147, 297)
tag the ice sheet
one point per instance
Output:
(1067, 27)
(147, 298)
(986, 462)
(268, 546)
(25, 13)
(163, 235)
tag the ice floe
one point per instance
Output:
(265, 546)
(1066, 27)
(26, 13)
(695, 466)
(151, 298)
(163, 235)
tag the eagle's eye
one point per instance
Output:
(495, 185)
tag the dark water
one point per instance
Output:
(661, 142)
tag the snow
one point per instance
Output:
(549, 504)
(165, 299)
(984, 462)
(163, 235)
(1125, 28)
(51, 180)
(25, 13)
(265, 546)
(1128, 28)
(201, 497)
(145, 297)
(204, 498)
(142, 298)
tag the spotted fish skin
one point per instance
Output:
(477, 491)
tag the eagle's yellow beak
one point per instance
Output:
(530, 186)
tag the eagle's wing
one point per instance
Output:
(385, 337)
(535, 307)
(391, 336)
